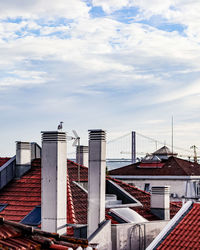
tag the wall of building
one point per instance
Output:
(176, 186)
(102, 237)
(135, 236)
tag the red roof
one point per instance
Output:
(21, 237)
(173, 166)
(24, 194)
(186, 234)
(3, 160)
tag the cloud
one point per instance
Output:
(63, 63)
(40, 9)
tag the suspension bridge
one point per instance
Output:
(133, 146)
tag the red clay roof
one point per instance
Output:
(3, 160)
(80, 197)
(186, 234)
(24, 194)
(173, 166)
(21, 237)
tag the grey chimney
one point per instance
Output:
(23, 157)
(23, 153)
(160, 202)
(96, 181)
(82, 155)
(54, 182)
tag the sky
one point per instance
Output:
(118, 65)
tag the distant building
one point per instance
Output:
(163, 168)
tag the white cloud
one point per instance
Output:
(40, 8)
(98, 71)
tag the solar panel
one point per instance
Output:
(2, 206)
(33, 218)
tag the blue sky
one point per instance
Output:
(120, 65)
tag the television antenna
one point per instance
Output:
(76, 143)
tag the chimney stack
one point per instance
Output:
(23, 153)
(23, 157)
(160, 202)
(96, 179)
(82, 155)
(54, 182)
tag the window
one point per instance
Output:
(33, 218)
(147, 187)
(198, 188)
(2, 206)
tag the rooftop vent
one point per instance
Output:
(151, 158)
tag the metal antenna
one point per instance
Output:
(77, 140)
(172, 135)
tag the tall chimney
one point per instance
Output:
(160, 202)
(96, 181)
(23, 157)
(54, 182)
(82, 155)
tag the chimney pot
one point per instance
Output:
(160, 202)
(82, 155)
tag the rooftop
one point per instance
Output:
(22, 195)
(172, 166)
(186, 233)
(3, 160)
(18, 236)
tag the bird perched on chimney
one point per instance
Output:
(60, 126)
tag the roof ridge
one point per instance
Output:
(173, 227)
(177, 161)
(70, 201)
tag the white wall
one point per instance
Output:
(102, 237)
(135, 236)
(176, 186)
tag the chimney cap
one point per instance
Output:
(53, 136)
(97, 134)
(96, 130)
(53, 132)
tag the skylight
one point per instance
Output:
(127, 215)
(2, 206)
(33, 218)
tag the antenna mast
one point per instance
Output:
(172, 135)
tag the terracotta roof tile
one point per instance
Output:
(3, 160)
(18, 236)
(186, 233)
(24, 194)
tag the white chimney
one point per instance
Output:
(23, 158)
(96, 179)
(54, 182)
(23, 153)
(82, 155)
(160, 202)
